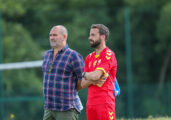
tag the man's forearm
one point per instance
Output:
(93, 76)
(79, 85)
(85, 83)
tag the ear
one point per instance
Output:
(103, 37)
(65, 36)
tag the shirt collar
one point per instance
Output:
(63, 49)
(96, 56)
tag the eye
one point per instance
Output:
(53, 35)
(92, 34)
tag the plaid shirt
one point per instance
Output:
(60, 78)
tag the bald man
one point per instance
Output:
(62, 74)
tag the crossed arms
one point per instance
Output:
(93, 78)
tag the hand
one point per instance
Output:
(102, 80)
(103, 77)
(116, 93)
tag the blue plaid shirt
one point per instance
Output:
(60, 78)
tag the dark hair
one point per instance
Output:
(103, 30)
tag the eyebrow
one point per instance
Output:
(53, 34)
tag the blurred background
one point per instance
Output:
(140, 36)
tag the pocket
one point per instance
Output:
(46, 66)
(72, 114)
(75, 114)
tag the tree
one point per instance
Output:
(163, 47)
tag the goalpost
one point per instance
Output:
(12, 66)
(20, 65)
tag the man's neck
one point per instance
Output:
(58, 49)
(100, 48)
(55, 52)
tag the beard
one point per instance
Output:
(55, 44)
(95, 44)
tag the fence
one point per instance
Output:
(147, 101)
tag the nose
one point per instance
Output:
(89, 37)
(51, 37)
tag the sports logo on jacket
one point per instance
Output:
(108, 54)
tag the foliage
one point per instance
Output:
(164, 29)
(25, 32)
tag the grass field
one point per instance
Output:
(149, 118)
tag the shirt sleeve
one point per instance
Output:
(78, 65)
(86, 68)
(108, 61)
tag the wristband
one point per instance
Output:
(83, 74)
